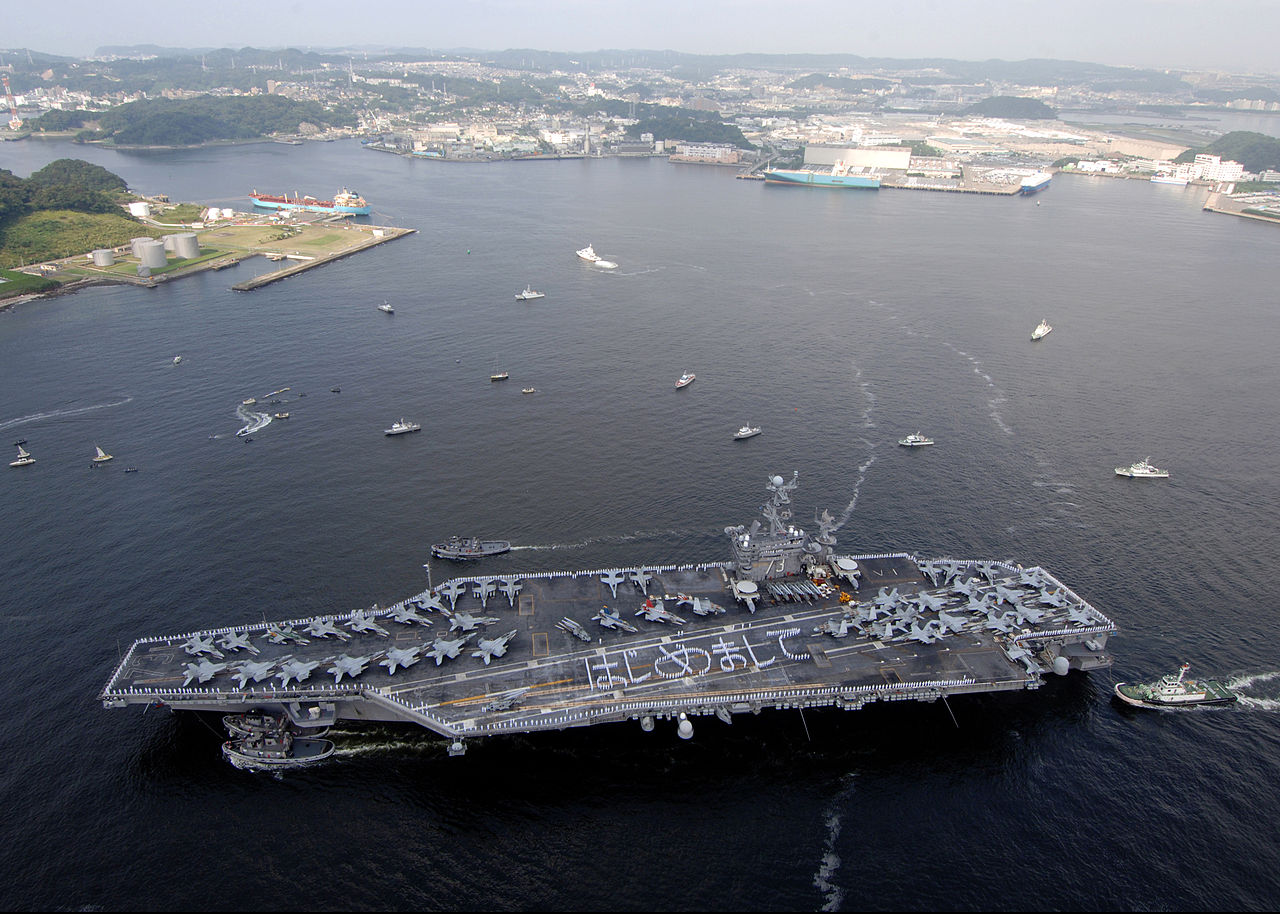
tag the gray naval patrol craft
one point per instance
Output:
(788, 622)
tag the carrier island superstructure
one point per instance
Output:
(787, 622)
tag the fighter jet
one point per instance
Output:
(1017, 652)
(641, 579)
(988, 570)
(493, 647)
(928, 602)
(1004, 594)
(699, 605)
(235, 641)
(654, 611)
(484, 590)
(203, 671)
(201, 644)
(283, 634)
(611, 620)
(979, 606)
(248, 669)
(360, 622)
(443, 649)
(1032, 577)
(1027, 613)
(452, 590)
(296, 670)
(837, 628)
(504, 701)
(400, 657)
(510, 587)
(323, 628)
(613, 579)
(429, 601)
(1053, 598)
(886, 600)
(351, 667)
(464, 621)
(1079, 615)
(1000, 623)
(966, 588)
(406, 616)
(952, 623)
(924, 635)
(574, 628)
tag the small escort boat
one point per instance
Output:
(1172, 691)
(402, 428)
(102, 456)
(915, 440)
(686, 379)
(528, 294)
(281, 415)
(1142, 470)
(498, 376)
(529, 390)
(589, 254)
(274, 751)
(260, 723)
(1042, 330)
(24, 459)
(386, 308)
(177, 359)
(747, 431)
(249, 401)
(465, 548)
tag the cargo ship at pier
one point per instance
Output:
(345, 201)
(1033, 184)
(839, 175)
(787, 622)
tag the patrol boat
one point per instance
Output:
(1172, 691)
(402, 428)
(1142, 469)
(915, 439)
(788, 621)
(463, 548)
(273, 751)
(1042, 330)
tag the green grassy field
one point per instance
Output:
(51, 234)
(21, 284)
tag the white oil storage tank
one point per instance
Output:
(103, 257)
(152, 254)
(186, 245)
(140, 208)
(135, 245)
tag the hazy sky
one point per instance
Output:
(1235, 35)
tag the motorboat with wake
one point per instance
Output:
(402, 428)
(465, 548)
(589, 254)
(1042, 330)
(915, 440)
(1172, 691)
(1142, 470)
(747, 431)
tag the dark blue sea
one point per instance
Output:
(839, 322)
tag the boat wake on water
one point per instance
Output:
(253, 421)
(60, 413)
(830, 864)
(997, 397)
(605, 540)
(867, 423)
(1242, 685)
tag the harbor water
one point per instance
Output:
(839, 322)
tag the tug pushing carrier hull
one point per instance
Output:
(787, 622)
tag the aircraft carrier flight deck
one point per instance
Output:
(787, 622)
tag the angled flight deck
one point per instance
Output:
(788, 622)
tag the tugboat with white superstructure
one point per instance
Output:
(402, 428)
(1172, 691)
(915, 440)
(1143, 470)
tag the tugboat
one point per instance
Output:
(1175, 692)
(915, 440)
(465, 548)
(386, 308)
(529, 294)
(1142, 470)
(274, 751)
(747, 431)
(402, 428)
(260, 723)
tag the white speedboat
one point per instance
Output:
(747, 431)
(589, 254)
(102, 456)
(1142, 469)
(402, 428)
(177, 359)
(1042, 330)
(249, 402)
(915, 440)
(386, 308)
(529, 390)
(24, 459)
(686, 379)
(528, 294)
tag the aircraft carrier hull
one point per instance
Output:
(767, 649)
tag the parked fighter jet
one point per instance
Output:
(323, 628)
(837, 628)
(510, 587)
(464, 621)
(296, 670)
(641, 579)
(484, 589)
(1027, 613)
(928, 602)
(443, 649)
(989, 571)
(700, 606)
(886, 600)
(406, 616)
(952, 623)
(504, 701)
(493, 647)
(1000, 623)
(429, 601)
(351, 667)
(654, 611)
(614, 621)
(613, 579)
(400, 657)
(1032, 577)
(248, 669)
(360, 622)
(283, 634)
(979, 606)
(1079, 615)
(203, 671)
(234, 641)
(1053, 598)
(201, 644)
(1005, 595)
(925, 635)
(966, 588)
(452, 590)
(574, 628)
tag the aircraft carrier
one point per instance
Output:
(787, 622)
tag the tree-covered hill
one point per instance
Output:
(1255, 151)
(188, 122)
(1013, 107)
